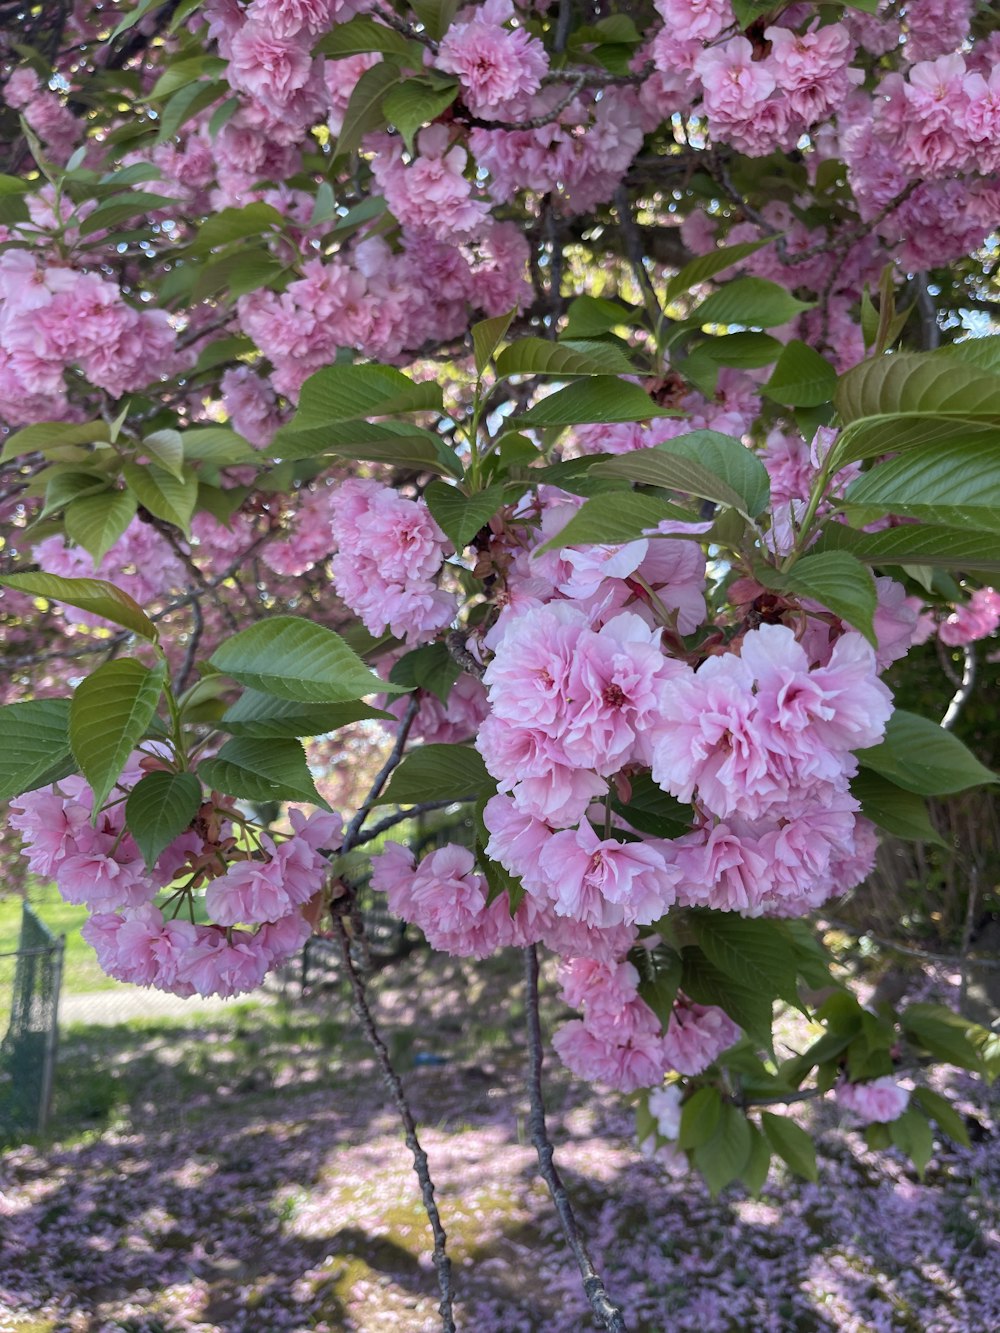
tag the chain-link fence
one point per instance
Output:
(30, 979)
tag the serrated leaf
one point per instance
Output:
(744, 351)
(758, 1164)
(120, 207)
(938, 1108)
(438, 773)
(394, 442)
(942, 1032)
(166, 447)
(487, 336)
(607, 520)
(914, 382)
(792, 1144)
(700, 1116)
(659, 978)
(362, 34)
(747, 1005)
(52, 434)
(723, 1157)
(415, 103)
(352, 393)
(651, 810)
(901, 813)
(236, 224)
(93, 595)
(435, 15)
(109, 714)
(914, 544)
(95, 522)
(218, 446)
(703, 463)
(592, 316)
(430, 667)
(801, 377)
(919, 756)
(752, 302)
(293, 658)
(835, 579)
(261, 715)
(365, 111)
(261, 770)
(752, 951)
(707, 266)
(66, 486)
(34, 745)
(912, 1134)
(604, 398)
(159, 808)
(461, 516)
(162, 493)
(870, 437)
(538, 356)
(949, 484)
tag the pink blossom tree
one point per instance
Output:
(571, 412)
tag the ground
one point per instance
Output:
(238, 1171)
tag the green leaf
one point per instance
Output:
(435, 15)
(870, 437)
(364, 110)
(659, 978)
(604, 398)
(700, 1117)
(919, 756)
(836, 579)
(186, 104)
(119, 207)
(293, 658)
(902, 813)
(93, 595)
(261, 770)
(218, 446)
(912, 1134)
(180, 73)
(220, 352)
(262, 715)
(34, 745)
(461, 516)
(430, 668)
(753, 302)
(619, 516)
(745, 351)
(752, 951)
(140, 11)
(754, 1174)
(95, 522)
(109, 715)
(66, 486)
(487, 336)
(915, 544)
(940, 1109)
(792, 1144)
(235, 274)
(394, 442)
(942, 1032)
(162, 494)
(747, 1005)
(438, 773)
(363, 34)
(166, 447)
(722, 1158)
(52, 434)
(236, 224)
(416, 102)
(948, 484)
(919, 383)
(801, 377)
(538, 356)
(704, 463)
(707, 266)
(982, 352)
(351, 393)
(592, 316)
(159, 808)
(651, 810)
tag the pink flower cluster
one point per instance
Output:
(97, 864)
(879, 1101)
(52, 318)
(44, 113)
(978, 618)
(389, 551)
(942, 118)
(498, 67)
(619, 1040)
(430, 193)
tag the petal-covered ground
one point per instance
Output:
(243, 1174)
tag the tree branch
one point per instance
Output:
(375, 791)
(965, 687)
(601, 1303)
(397, 1093)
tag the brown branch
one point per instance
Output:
(382, 777)
(609, 1314)
(394, 1086)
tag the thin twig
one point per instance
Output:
(636, 259)
(194, 638)
(601, 1303)
(396, 1091)
(382, 777)
(459, 652)
(391, 821)
(956, 960)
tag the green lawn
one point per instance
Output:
(80, 970)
